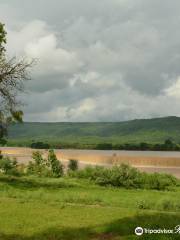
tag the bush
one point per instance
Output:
(119, 176)
(37, 156)
(73, 165)
(39, 166)
(159, 181)
(126, 176)
(39, 170)
(8, 166)
(54, 164)
(30, 168)
(50, 167)
(91, 173)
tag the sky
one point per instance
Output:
(106, 60)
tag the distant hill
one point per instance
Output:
(154, 130)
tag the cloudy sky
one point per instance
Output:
(105, 60)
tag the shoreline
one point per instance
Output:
(152, 163)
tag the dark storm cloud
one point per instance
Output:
(97, 60)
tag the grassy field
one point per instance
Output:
(86, 135)
(70, 209)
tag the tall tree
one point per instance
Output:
(13, 74)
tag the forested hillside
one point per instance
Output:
(155, 130)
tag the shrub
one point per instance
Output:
(159, 181)
(91, 173)
(73, 165)
(8, 166)
(37, 156)
(39, 166)
(30, 168)
(54, 164)
(126, 176)
(40, 171)
(118, 176)
(50, 167)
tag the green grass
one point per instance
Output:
(87, 135)
(70, 209)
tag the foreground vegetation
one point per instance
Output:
(45, 201)
(127, 177)
(116, 176)
(35, 208)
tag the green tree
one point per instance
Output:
(8, 166)
(168, 142)
(55, 165)
(13, 74)
(38, 158)
(73, 165)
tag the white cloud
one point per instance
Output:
(174, 89)
(20, 36)
(50, 57)
(37, 40)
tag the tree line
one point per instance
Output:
(168, 145)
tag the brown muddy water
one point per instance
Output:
(148, 161)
